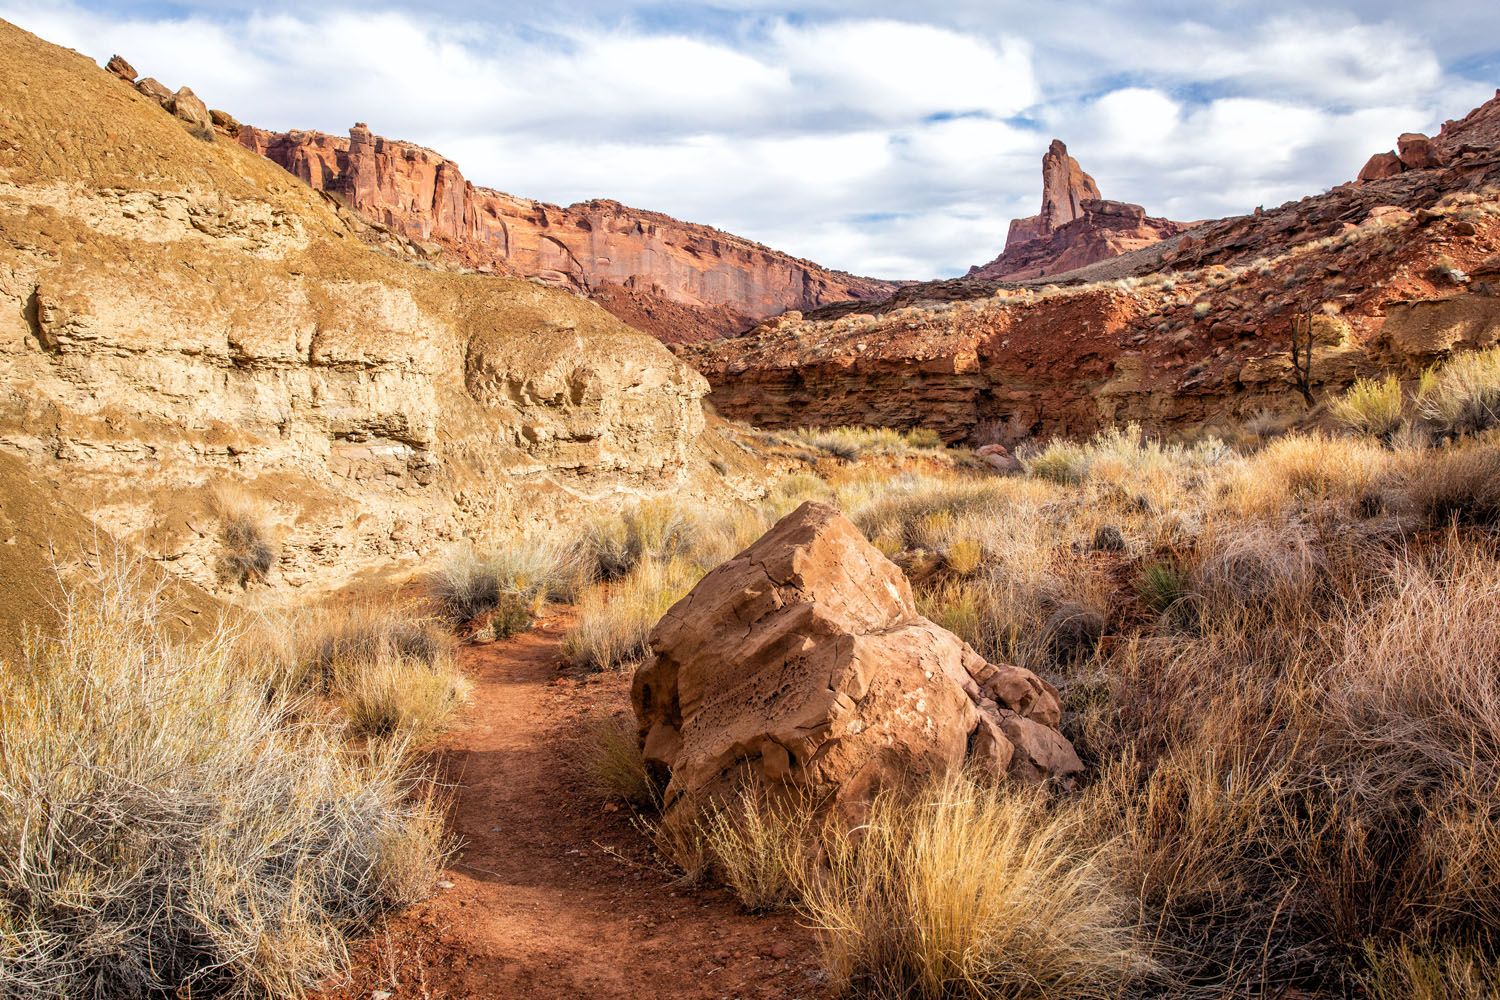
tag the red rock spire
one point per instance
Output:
(1065, 186)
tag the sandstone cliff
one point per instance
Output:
(177, 313)
(676, 280)
(1075, 227)
(1183, 334)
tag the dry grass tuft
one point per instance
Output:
(1464, 397)
(761, 847)
(1372, 407)
(609, 754)
(248, 554)
(516, 580)
(962, 891)
(615, 621)
(391, 670)
(172, 823)
(394, 695)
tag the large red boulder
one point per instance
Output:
(803, 662)
(1417, 152)
(1381, 166)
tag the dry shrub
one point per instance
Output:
(393, 695)
(1452, 486)
(1304, 471)
(1464, 397)
(171, 824)
(615, 620)
(964, 556)
(609, 755)
(849, 443)
(660, 530)
(525, 572)
(248, 554)
(681, 842)
(300, 647)
(761, 847)
(964, 891)
(1250, 563)
(1450, 972)
(389, 669)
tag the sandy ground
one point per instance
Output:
(555, 893)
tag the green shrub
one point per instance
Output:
(1372, 407)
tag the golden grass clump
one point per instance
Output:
(173, 823)
(761, 847)
(1373, 407)
(615, 621)
(393, 695)
(965, 891)
(390, 669)
(609, 756)
(1464, 397)
(850, 443)
(514, 579)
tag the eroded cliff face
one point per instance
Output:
(177, 314)
(1075, 227)
(676, 280)
(1182, 335)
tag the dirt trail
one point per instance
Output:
(555, 894)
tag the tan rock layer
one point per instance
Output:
(709, 282)
(176, 315)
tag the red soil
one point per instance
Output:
(555, 892)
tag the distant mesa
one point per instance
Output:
(675, 280)
(1076, 226)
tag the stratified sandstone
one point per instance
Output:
(1075, 227)
(1183, 334)
(709, 283)
(177, 315)
(802, 662)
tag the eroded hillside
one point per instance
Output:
(1387, 274)
(177, 314)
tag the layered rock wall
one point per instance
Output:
(178, 315)
(704, 282)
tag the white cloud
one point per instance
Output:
(900, 71)
(861, 136)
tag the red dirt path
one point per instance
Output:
(554, 894)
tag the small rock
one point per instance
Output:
(119, 67)
(445, 884)
(224, 120)
(154, 89)
(187, 106)
(1108, 539)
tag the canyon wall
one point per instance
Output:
(1182, 336)
(178, 316)
(676, 280)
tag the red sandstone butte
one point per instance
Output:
(676, 280)
(1075, 227)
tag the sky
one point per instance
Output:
(889, 139)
